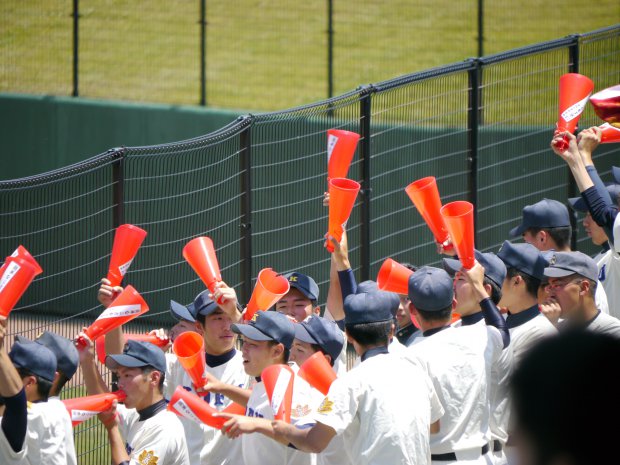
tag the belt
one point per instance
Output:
(452, 456)
(497, 445)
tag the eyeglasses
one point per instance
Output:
(562, 284)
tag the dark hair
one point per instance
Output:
(531, 283)
(287, 352)
(409, 266)
(318, 348)
(438, 315)
(43, 385)
(496, 292)
(62, 380)
(367, 334)
(561, 236)
(147, 370)
(545, 389)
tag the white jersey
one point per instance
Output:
(394, 347)
(528, 328)
(383, 409)
(459, 361)
(157, 440)
(207, 445)
(44, 443)
(608, 264)
(63, 416)
(259, 449)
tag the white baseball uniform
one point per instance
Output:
(62, 415)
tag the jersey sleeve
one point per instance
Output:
(339, 407)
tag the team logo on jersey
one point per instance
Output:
(601, 274)
(255, 316)
(148, 457)
(326, 406)
(300, 411)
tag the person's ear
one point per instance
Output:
(277, 350)
(317, 310)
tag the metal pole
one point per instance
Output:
(76, 30)
(364, 147)
(245, 183)
(203, 52)
(573, 67)
(330, 48)
(473, 125)
(480, 28)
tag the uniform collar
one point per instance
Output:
(472, 319)
(217, 360)
(517, 319)
(403, 334)
(430, 332)
(152, 410)
(374, 351)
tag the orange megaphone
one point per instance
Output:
(425, 196)
(459, 219)
(269, 288)
(609, 134)
(340, 150)
(127, 306)
(100, 343)
(394, 277)
(17, 275)
(342, 194)
(200, 254)
(318, 372)
(127, 240)
(82, 408)
(575, 89)
(22, 253)
(455, 317)
(189, 405)
(606, 105)
(278, 381)
(189, 347)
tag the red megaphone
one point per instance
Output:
(342, 195)
(127, 240)
(269, 288)
(606, 104)
(17, 275)
(317, 371)
(459, 219)
(609, 134)
(100, 343)
(200, 254)
(22, 253)
(189, 405)
(575, 89)
(278, 381)
(425, 196)
(127, 306)
(189, 347)
(394, 277)
(82, 408)
(340, 150)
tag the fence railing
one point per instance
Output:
(481, 126)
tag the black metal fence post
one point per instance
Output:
(366, 191)
(330, 48)
(76, 31)
(573, 67)
(245, 184)
(473, 126)
(203, 52)
(480, 28)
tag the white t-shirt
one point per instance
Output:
(383, 409)
(459, 361)
(158, 439)
(62, 415)
(207, 445)
(45, 439)
(605, 324)
(259, 449)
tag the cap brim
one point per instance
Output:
(113, 362)
(577, 204)
(181, 312)
(302, 333)
(23, 340)
(518, 231)
(553, 272)
(452, 265)
(250, 332)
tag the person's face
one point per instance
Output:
(466, 302)
(535, 240)
(403, 317)
(301, 351)
(135, 384)
(258, 355)
(296, 305)
(181, 327)
(218, 336)
(594, 231)
(567, 292)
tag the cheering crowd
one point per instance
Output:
(507, 362)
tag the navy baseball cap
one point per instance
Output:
(367, 307)
(544, 214)
(579, 205)
(371, 286)
(494, 268)
(431, 289)
(322, 332)
(138, 354)
(304, 284)
(203, 305)
(67, 357)
(523, 257)
(35, 358)
(268, 326)
(181, 312)
(568, 263)
(367, 286)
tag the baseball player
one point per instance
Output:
(459, 360)
(383, 408)
(142, 430)
(30, 431)
(301, 300)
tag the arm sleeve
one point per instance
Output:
(493, 317)
(348, 285)
(15, 420)
(602, 213)
(599, 185)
